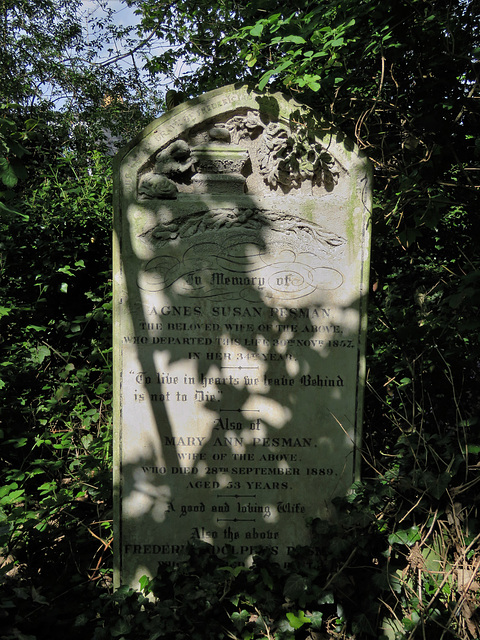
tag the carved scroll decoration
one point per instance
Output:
(245, 218)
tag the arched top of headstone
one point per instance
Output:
(234, 140)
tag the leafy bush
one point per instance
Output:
(55, 381)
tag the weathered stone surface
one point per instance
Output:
(241, 262)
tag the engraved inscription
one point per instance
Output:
(239, 330)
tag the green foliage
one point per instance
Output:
(207, 595)
(55, 382)
(12, 163)
(400, 79)
(60, 110)
(55, 324)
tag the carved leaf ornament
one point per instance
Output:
(284, 158)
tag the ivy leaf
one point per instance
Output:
(316, 618)
(405, 536)
(240, 619)
(120, 628)
(297, 621)
(144, 580)
(327, 598)
(295, 587)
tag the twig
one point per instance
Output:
(345, 564)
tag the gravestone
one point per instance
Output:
(240, 278)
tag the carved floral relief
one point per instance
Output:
(244, 144)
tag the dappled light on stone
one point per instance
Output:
(242, 248)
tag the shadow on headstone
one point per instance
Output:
(240, 274)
